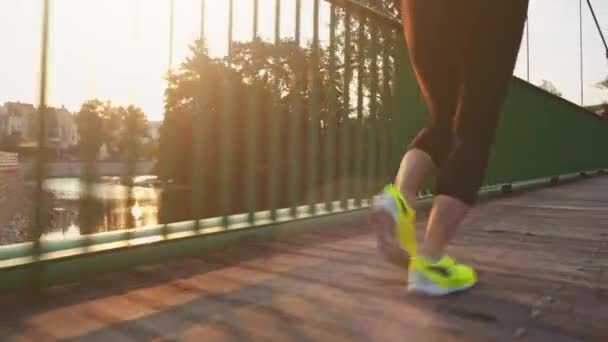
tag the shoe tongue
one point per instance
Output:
(446, 261)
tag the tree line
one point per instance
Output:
(281, 114)
(115, 130)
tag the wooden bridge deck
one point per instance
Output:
(542, 257)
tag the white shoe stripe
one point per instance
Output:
(388, 203)
(419, 283)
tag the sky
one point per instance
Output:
(119, 49)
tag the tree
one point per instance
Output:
(549, 87)
(390, 7)
(113, 122)
(133, 127)
(133, 130)
(102, 123)
(603, 84)
(269, 87)
(213, 100)
(90, 128)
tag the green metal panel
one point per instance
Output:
(542, 135)
(539, 134)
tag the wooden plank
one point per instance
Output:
(542, 257)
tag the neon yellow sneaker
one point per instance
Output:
(394, 221)
(439, 278)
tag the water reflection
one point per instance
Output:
(110, 205)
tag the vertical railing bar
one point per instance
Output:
(277, 22)
(201, 151)
(371, 142)
(313, 167)
(251, 194)
(203, 8)
(226, 153)
(580, 4)
(251, 182)
(166, 173)
(170, 136)
(528, 48)
(132, 133)
(393, 107)
(298, 22)
(294, 142)
(197, 177)
(331, 117)
(170, 203)
(201, 156)
(226, 113)
(385, 111)
(359, 181)
(230, 24)
(171, 31)
(256, 8)
(274, 122)
(38, 222)
(168, 169)
(345, 150)
(131, 158)
(398, 72)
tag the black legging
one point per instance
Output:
(463, 53)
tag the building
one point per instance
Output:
(15, 124)
(18, 118)
(3, 120)
(11, 187)
(22, 118)
(63, 130)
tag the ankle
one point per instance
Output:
(410, 198)
(431, 254)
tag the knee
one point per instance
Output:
(436, 142)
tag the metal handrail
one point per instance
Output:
(599, 28)
(359, 9)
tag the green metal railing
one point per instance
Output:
(306, 131)
(287, 129)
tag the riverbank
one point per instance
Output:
(62, 169)
(15, 230)
(12, 196)
(113, 206)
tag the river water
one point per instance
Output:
(116, 206)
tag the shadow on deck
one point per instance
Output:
(542, 258)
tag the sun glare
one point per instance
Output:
(119, 49)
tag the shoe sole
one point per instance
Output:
(433, 290)
(387, 243)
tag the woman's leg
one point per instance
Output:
(430, 27)
(490, 46)
(431, 31)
